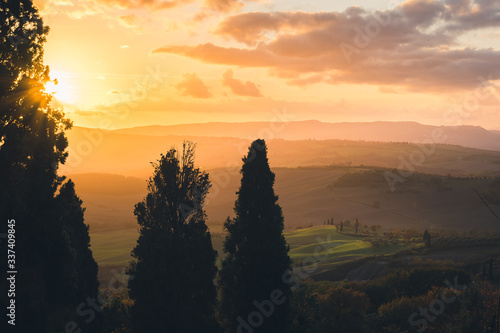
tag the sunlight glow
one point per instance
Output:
(60, 91)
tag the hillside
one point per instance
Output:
(467, 136)
(97, 151)
(312, 195)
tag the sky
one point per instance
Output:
(126, 63)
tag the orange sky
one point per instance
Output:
(124, 63)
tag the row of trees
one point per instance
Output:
(174, 269)
(173, 274)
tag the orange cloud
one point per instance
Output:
(193, 86)
(412, 45)
(239, 87)
(129, 20)
(224, 6)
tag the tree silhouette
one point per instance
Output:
(51, 280)
(71, 216)
(254, 295)
(427, 238)
(174, 269)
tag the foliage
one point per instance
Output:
(257, 253)
(174, 268)
(305, 315)
(51, 237)
(343, 310)
(116, 312)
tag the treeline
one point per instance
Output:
(174, 283)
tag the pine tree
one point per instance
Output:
(32, 145)
(71, 215)
(357, 225)
(254, 295)
(173, 270)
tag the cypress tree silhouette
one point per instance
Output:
(257, 253)
(32, 144)
(174, 267)
(71, 215)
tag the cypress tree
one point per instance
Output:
(173, 271)
(71, 215)
(257, 254)
(32, 145)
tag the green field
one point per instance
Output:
(323, 246)
(326, 247)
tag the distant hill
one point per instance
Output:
(113, 152)
(312, 195)
(466, 136)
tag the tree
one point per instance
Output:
(71, 216)
(174, 262)
(427, 238)
(116, 312)
(341, 226)
(49, 283)
(343, 310)
(357, 225)
(254, 293)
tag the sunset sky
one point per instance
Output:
(125, 63)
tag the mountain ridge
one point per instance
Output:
(377, 131)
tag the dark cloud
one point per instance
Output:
(414, 45)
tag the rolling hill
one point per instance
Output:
(467, 136)
(98, 151)
(311, 195)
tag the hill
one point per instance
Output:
(313, 194)
(98, 151)
(382, 131)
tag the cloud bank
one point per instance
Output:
(415, 45)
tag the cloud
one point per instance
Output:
(415, 45)
(240, 88)
(193, 86)
(114, 92)
(94, 6)
(224, 6)
(144, 4)
(130, 20)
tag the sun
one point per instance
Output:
(61, 91)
